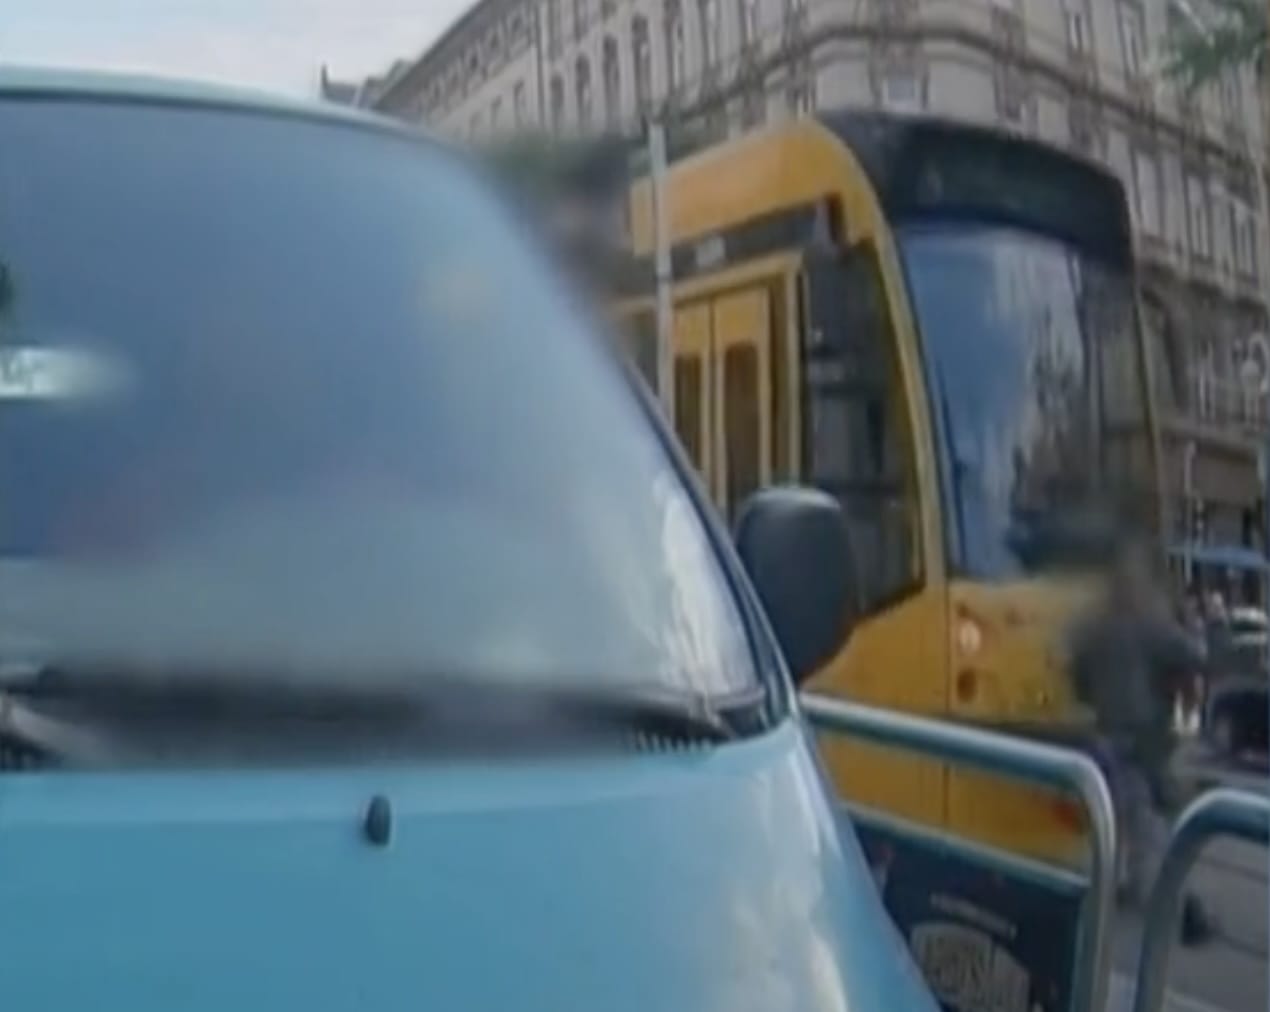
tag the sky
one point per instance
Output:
(278, 45)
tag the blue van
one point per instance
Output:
(365, 643)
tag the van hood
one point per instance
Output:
(694, 879)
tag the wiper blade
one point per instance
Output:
(665, 712)
(66, 739)
(97, 716)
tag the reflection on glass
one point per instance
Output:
(363, 425)
(1034, 372)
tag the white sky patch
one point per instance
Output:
(278, 45)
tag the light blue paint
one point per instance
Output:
(35, 83)
(710, 880)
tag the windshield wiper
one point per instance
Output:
(68, 741)
(96, 717)
(669, 713)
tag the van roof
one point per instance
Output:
(55, 84)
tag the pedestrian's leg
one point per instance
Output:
(1150, 803)
(1146, 835)
(1108, 761)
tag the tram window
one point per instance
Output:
(858, 441)
(742, 431)
(688, 416)
(827, 430)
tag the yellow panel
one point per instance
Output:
(775, 276)
(894, 660)
(693, 400)
(1015, 676)
(755, 175)
(776, 170)
(742, 395)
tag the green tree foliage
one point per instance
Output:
(1201, 47)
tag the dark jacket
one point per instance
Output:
(1129, 669)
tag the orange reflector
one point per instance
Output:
(1069, 813)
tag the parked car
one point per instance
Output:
(1235, 718)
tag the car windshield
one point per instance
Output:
(283, 391)
(1036, 387)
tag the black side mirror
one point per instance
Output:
(795, 545)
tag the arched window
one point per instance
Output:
(582, 84)
(612, 84)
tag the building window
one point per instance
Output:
(1200, 218)
(1226, 239)
(1243, 231)
(747, 16)
(557, 103)
(520, 104)
(1077, 26)
(1146, 192)
(554, 35)
(901, 90)
(581, 17)
(582, 84)
(1231, 97)
(794, 23)
(1133, 36)
(608, 8)
(642, 58)
(612, 84)
(753, 108)
(711, 33)
(676, 54)
(801, 96)
(1011, 93)
(1232, 218)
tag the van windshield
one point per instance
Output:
(285, 392)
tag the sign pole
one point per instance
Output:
(662, 269)
(1265, 506)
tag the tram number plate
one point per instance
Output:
(985, 939)
(966, 970)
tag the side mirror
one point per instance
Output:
(795, 546)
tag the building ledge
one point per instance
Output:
(1237, 438)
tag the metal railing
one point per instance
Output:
(1028, 762)
(1222, 812)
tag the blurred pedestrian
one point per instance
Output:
(1217, 631)
(1191, 617)
(1131, 661)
